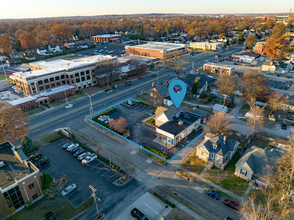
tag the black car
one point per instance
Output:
(50, 216)
(75, 150)
(212, 194)
(278, 75)
(236, 64)
(153, 75)
(77, 153)
(138, 214)
(284, 126)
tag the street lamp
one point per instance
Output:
(225, 96)
(91, 106)
(94, 197)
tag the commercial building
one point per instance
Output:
(3, 85)
(206, 46)
(46, 75)
(259, 47)
(245, 57)
(158, 50)
(107, 38)
(20, 180)
(218, 68)
(282, 19)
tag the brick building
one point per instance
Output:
(20, 180)
(157, 94)
(107, 38)
(218, 68)
(156, 49)
(259, 47)
(80, 73)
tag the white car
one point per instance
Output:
(70, 147)
(69, 106)
(206, 61)
(69, 189)
(89, 159)
(83, 155)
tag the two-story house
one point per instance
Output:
(42, 52)
(217, 149)
(157, 94)
(54, 48)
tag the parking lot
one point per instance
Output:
(97, 174)
(278, 84)
(145, 134)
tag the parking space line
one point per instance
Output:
(100, 169)
(111, 177)
(106, 172)
(78, 197)
(95, 166)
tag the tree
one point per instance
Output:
(55, 186)
(195, 85)
(221, 36)
(253, 85)
(17, 45)
(6, 43)
(240, 37)
(279, 175)
(227, 84)
(119, 125)
(27, 144)
(108, 68)
(256, 120)
(275, 102)
(250, 40)
(28, 41)
(218, 124)
(174, 61)
(5, 210)
(276, 47)
(12, 122)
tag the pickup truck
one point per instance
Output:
(138, 214)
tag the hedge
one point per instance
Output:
(164, 200)
(156, 151)
(203, 95)
(113, 166)
(56, 139)
(147, 105)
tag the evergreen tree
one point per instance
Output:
(44, 180)
(194, 86)
(27, 144)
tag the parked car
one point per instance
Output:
(212, 194)
(77, 153)
(66, 145)
(141, 77)
(231, 204)
(108, 90)
(69, 106)
(284, 126)
(229, 218)
(71, 146)
(213, 101)
(75, 150)
(138, 214)
(83, 155)
(50, 216)
(115, 86)
(278, 75)
(42, 162)
(69, 189)
(153, 75)
(236, 63)
(129, 82)
(89, 159)
(206, 61)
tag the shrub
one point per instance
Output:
(203, 95)
(147, 105)
(173, 205)
(155, 194)
(55, 139)
(156, 151)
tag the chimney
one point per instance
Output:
(153, 85)
(180, 122)
(225, 138)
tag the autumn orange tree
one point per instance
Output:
(219, 123)
(12, 123)
(250, 40)
(276, 47)
(119, 125)
(5, 43)
(228, 84)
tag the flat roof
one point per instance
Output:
(219, 65)
(14, 170)
(160, 46)
(206, 43)
(108, 35)
(21, 100)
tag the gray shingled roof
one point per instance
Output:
(222, 148)
(190, 78)
(162, 90)
(257, 159)
(172, 111)
(200, 112)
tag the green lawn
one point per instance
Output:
(49, 137)
(3, 77)
(149, 121)
(69, 99)
(259, 195)
(34, 111)
(226, 179)
(193, 164)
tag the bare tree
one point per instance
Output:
(250, 40)
(218, 124)
(275, 102)
(253, 85)
(108, 68)
(256, 120)
(174, 61)
(227, 84)
(12, 122)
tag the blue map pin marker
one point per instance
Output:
(177, 90)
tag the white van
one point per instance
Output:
(71, 147)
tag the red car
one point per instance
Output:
(108, 90)
(141, 77)
(231, 204)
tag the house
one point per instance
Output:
(70, 45)
(262, 101)
(217, 149)
(157, 94)
(220, 108)
(245, 57)
(218, 68)
(30, 57)
(20, 180)
(204, 114)
(54, 49)
(42, 52)
(167, 101)
(204, 82)
(4, 85)
(253, 162)
(164, 115)
(259, 47)
(179, 124)
(13, 61)
(3, 58)
(268, 67)
(16, 55)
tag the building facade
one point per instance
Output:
(107, 38)
(206, 46)
(20, 180)
(218, 68)
(156, 49)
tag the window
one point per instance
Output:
(211, 156)
(78, 80)
(82, 73)
(77, 74)
(67, 82)
(35, 196)
(45, 80)
(202, 153)
(66, 76)
(52, 79)
(32, 84)
(154, 95)
(40, 82)
(83, 79)
(151, 94)
(47, 87)
(158, 101)
(31, 186)
(151, 99)
(56, 77)
(14, 198)
(58, 83)
(88, 77)
(53, 85)
(214, 145)
(41, 88)
(62, 76)
(87, 72)
(243, 172)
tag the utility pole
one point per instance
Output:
(94, 197)
(225, 96)
(91, 106)
(165, 151)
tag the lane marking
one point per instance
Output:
(152, 209)
(111, 177)
(106, 172)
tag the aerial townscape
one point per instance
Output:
(122, 110)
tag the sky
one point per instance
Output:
(58, 8)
